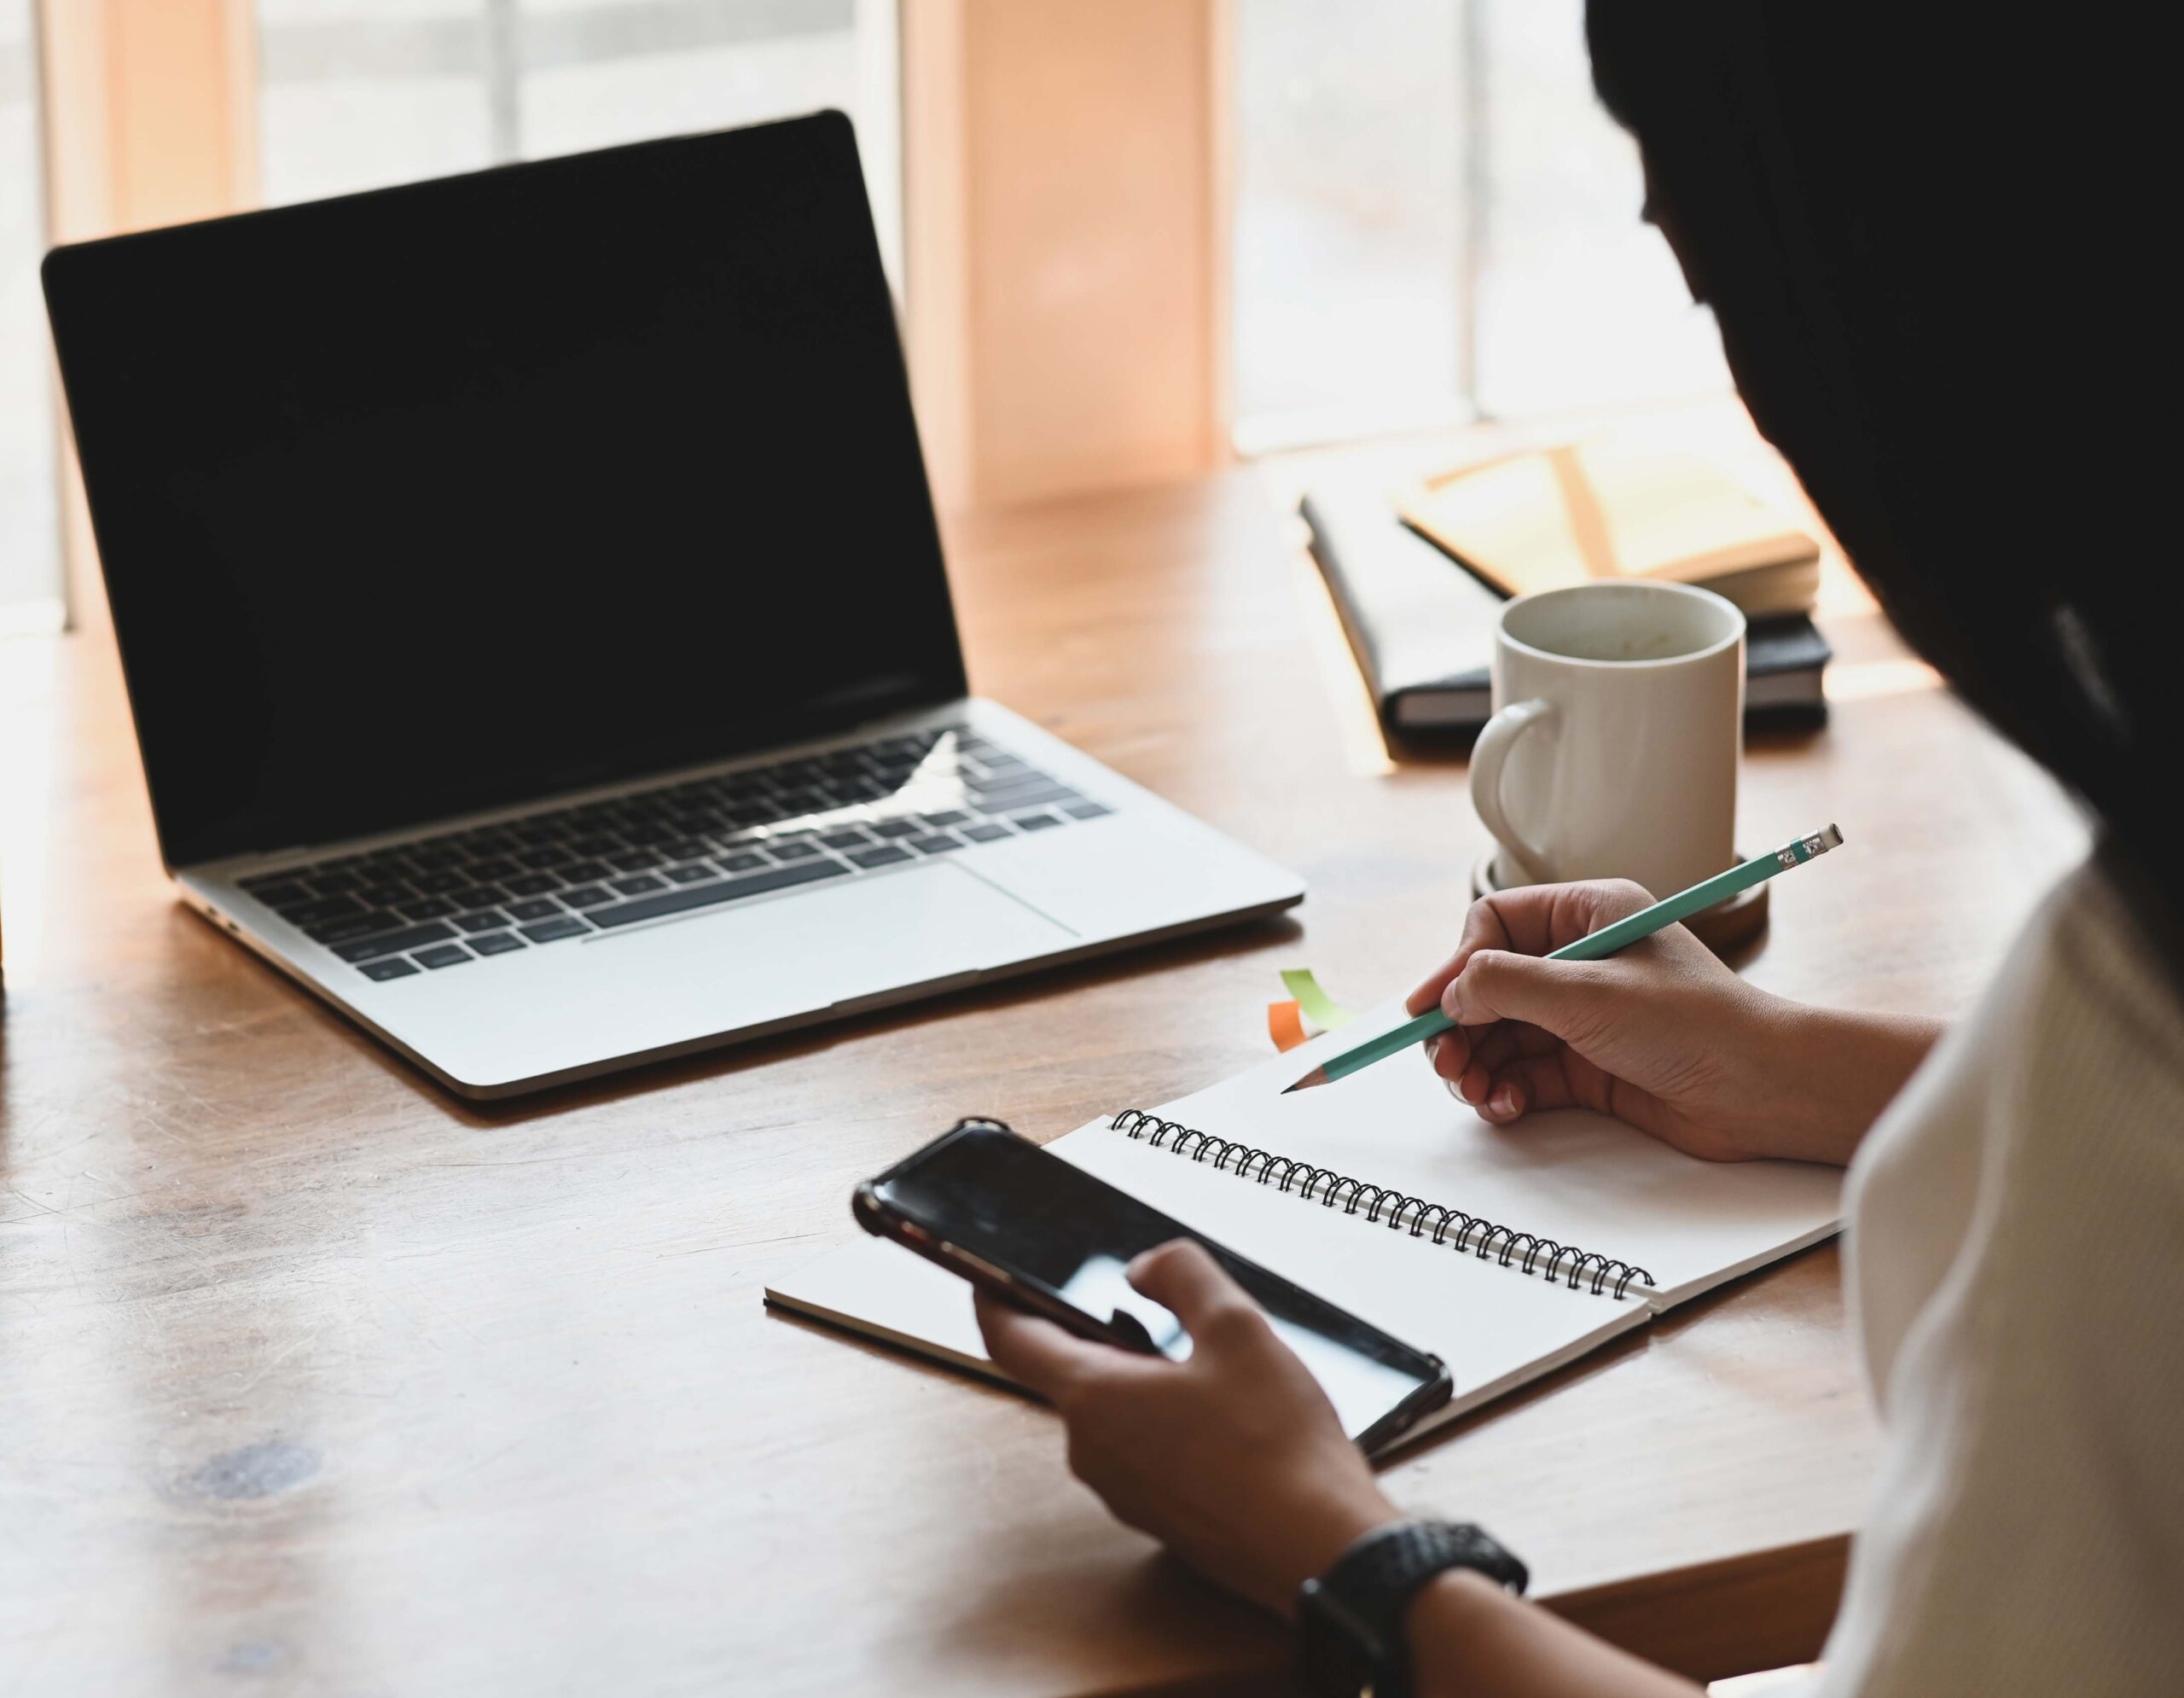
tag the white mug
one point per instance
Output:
(1618, 722)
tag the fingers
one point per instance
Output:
(1575, 1001)
(1528, 1083)
(1530, 920)
(1538, 918)
(1183, 1278)
(1034, 1352)
(1483, 929)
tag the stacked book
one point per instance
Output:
(1419, 580)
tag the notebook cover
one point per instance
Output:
(1608, 510)
(1422, 630)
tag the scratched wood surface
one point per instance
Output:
(314, 1378)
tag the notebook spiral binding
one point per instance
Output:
(1576, 1267)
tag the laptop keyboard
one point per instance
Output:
(682, 849)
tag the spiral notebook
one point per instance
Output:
(1507, 1252)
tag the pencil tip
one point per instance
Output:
(1317, 1076)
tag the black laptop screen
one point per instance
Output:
(474, 491)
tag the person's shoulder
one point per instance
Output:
(2098, 970)
(2085, 1085)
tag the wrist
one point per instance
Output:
(1323, 1531)
(1843, 1068)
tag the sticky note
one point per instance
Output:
(1321, 1010)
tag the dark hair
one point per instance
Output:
(1897, 215)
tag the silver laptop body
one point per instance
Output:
(535, 622)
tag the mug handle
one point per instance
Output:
(1488, 755)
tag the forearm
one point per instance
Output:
(1835, 1071)
(1470, 1639)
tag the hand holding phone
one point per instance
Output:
(1027, 1226)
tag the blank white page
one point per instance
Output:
(1578, 1178)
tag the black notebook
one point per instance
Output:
(1422, 627)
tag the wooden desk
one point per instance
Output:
(314, 1378)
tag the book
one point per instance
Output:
(1612, 509)
(1422, 629)
(1507, 1252)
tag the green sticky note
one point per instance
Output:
(1321, 1010)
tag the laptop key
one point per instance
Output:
(428, 907)
(384, 895)
(335, 884)
(950, 817)
(885, 855)
(897, 828)
(1041, 796)
(394, 943)
(496, 943)
(477, 896)
(1036, 821)
(536, 909)
(546, 855)
(721, 890)
(394, 967)
(846, 839)
(587, 896)
(639, 885)
(940, 843)
(536, 884)
(794, 851)
(696, 874)
(549, 931)
(580, 872)
(484, 919)
(319, 909)
(286, 893)
(445, 955)
(745, 863)
(355, 925)
(986, 833)
(439, 884)
(1087, 810)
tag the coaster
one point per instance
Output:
(1725, 927)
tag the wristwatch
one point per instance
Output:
(1349, 1621)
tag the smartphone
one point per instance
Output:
(1027, 1226)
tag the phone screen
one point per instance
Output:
(1009, 1203)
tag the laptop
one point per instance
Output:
(536, 627)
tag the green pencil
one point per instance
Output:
(1591, 947)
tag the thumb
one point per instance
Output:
(1183, 1278)
(1574, 1000)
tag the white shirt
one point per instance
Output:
(2017, 1276)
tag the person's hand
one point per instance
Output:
(1661, 1035)
(1234, 1459)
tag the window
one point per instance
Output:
(1436, 221)
(356, 93)
(30, 534)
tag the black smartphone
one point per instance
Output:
(997, 1209)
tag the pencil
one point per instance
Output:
(1592, 947)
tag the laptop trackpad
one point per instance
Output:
(839, 943)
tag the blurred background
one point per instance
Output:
(1130, 239)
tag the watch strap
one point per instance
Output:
(1351, 1618)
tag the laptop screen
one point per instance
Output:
(467, 492)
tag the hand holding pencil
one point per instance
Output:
(1663, 1036)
